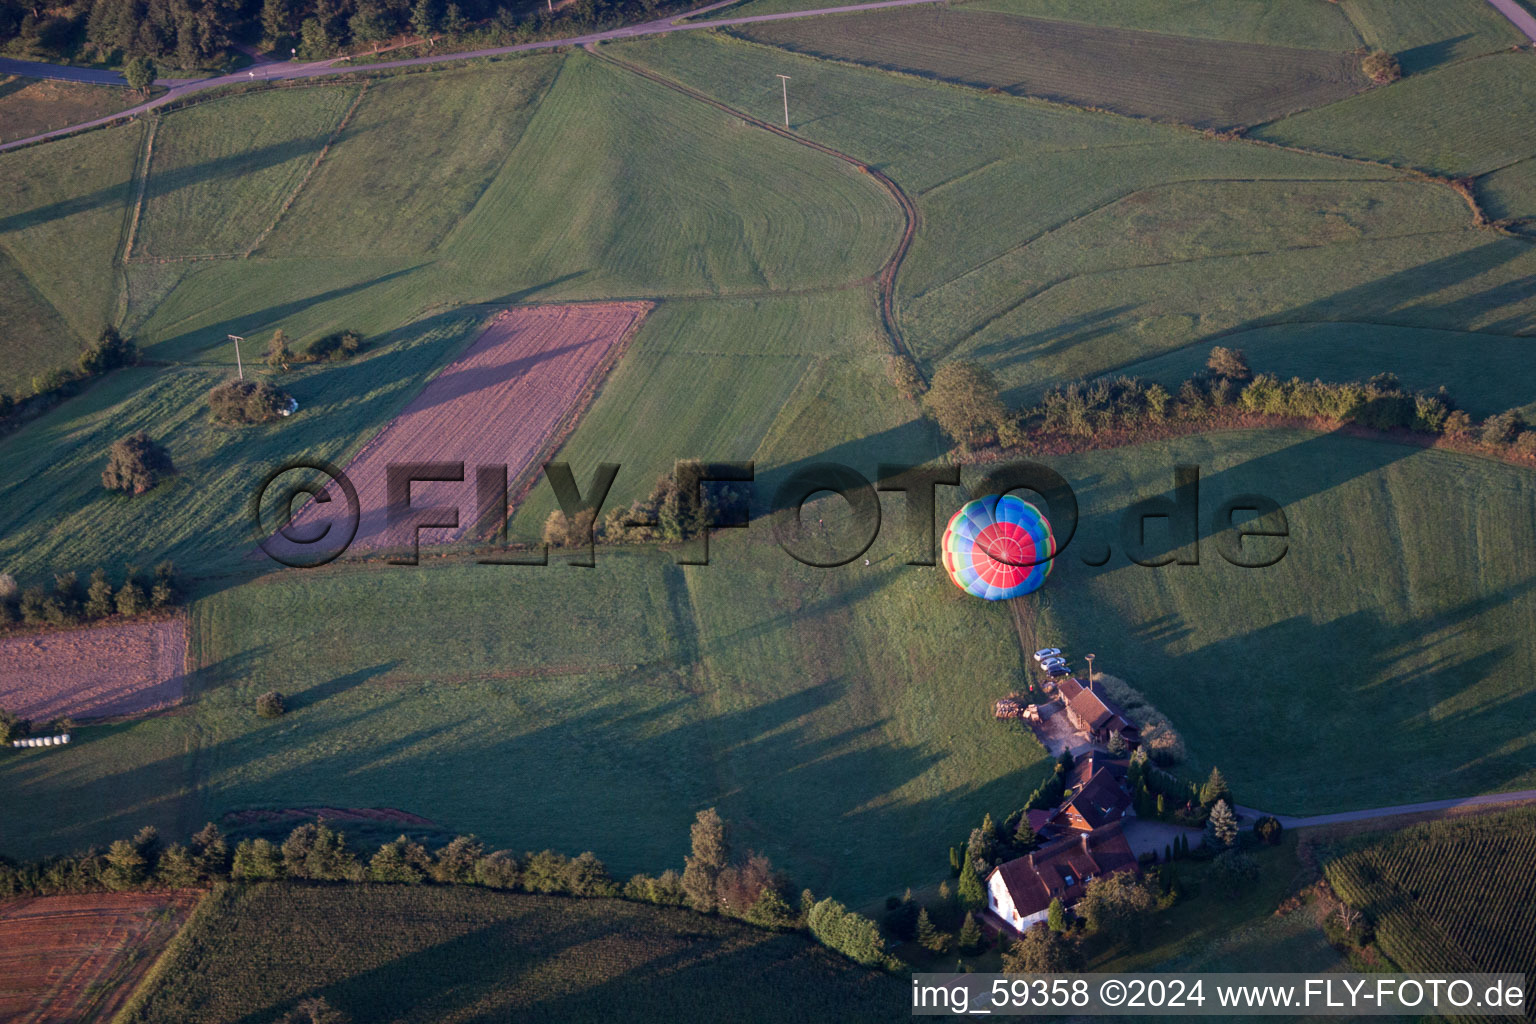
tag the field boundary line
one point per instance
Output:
(886, 279)
(313, 167)
(138, 203)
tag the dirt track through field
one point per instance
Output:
(506, 401)
(113, 669)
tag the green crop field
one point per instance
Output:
(463, 954)
(1402, 608)
(1453, 895)
(1454, 120)
(1150, 75)
(1510, 191)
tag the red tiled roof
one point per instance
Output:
(1099, 801)
(1059, 870)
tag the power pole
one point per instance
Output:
(237, 340)
(784, 81)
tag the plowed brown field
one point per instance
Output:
(77, 957)
(506, 400)
(114, 669)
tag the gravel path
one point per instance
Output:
(1519, 796)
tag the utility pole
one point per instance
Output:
(784, 81)
(237, 340)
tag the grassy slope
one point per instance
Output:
(1298, 23)
(1402, 609)
(1485, 373)
(460, 955)
(1427, 33)
(1055, 244)
(57, 514)
(1465, 119)
(30, 106)
(1156, 75)
(222, 170)
(415, 157)
(63, 226)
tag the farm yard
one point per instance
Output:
(459, 954)
(503, 402)
(75, 959)
(550, 256)
(96, 672)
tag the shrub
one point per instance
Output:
(1268, 829)
(1229, 363)
(1042, 951)
(905, 376)
(1236, 868)
(336, 347)
(8, 587)
(1498, 431)
(248, 401)
(99, 601)
(136, 464)
(965, 402)
(270, 705)
(13, 727)
(1381, 67)
(109, 352)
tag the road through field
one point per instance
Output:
(1519, 796)
(287, 70)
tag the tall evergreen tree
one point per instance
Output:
(711, 854)
(972, 895)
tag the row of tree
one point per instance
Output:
(66, 604)
(967, 404)
(713, 880)
(204, 33)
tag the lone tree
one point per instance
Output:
(139, 73)
(1229, 363)
(1221, 826)
(972, 895)
(964, 400)
(1042, 951)
(271, 705)
(135, 464)
(1381, 67)
(711, 855)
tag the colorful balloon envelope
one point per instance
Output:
(998, 547)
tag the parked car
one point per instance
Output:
(1047, 652)
(1049, 663)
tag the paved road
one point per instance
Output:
(339, 65)
(1520, 796)
(1518, 15)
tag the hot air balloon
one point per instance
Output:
(998, 547)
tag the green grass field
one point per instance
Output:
(1296, 23)
(1056, 244)
(464, 954)
(1427, 33)
(1401, 610)
(1148, 75)
(1429, 890)
(1452, 121)
(31, 106)
(62, 228)
(222, 170)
